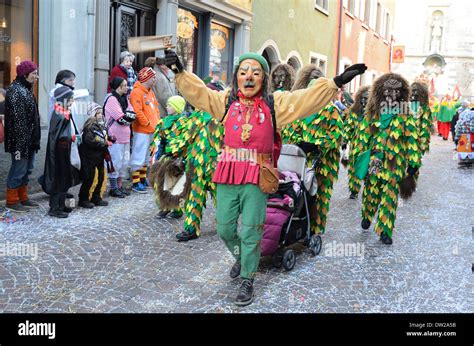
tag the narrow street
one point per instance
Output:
(122, 258)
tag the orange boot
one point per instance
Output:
(13, 201)
(23, 196)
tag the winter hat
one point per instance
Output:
(25, 68)
(115, 83)
(177, 103)
(146, 74)
(257, 57)
(92, 108)
(63, 93)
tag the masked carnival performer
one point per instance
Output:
(324, 130)
(422, 113)
(388, 154)
(351, 131)
(249, 133)
(194, 142)
(282, 77)
(292, 133)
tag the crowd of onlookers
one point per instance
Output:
(112, 146)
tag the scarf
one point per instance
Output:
(257, 102)
(61, 110)
(122, 99)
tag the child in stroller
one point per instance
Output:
(288, 217)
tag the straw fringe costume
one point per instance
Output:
(325, 130)
(352, 126)
(197, 139)
(395, 138)
(423, 116)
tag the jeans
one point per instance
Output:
(19, 172)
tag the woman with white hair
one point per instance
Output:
(124, 70)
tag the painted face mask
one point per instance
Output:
(250, 78)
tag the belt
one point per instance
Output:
(244, 154)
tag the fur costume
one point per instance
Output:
(305, 75)
(196, 140)
(282, 77)
(352, 125)
(292, 133)
(392, 139)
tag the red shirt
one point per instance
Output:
(237, 170)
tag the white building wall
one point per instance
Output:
(66, 41)
(413, 30)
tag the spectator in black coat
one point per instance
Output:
(22, 135)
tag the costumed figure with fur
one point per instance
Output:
(387, 153)
(325, 131)
(351, 131)
(292, 133)
(190, 154)
(422, 113)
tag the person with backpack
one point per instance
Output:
(250, 126)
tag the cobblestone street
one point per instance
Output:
(122, 258)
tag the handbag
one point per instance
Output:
(74, 156)
(268, 180)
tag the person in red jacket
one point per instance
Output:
(124, 70)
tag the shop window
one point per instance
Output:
(187, 39)
(16, 37)
(220, 63)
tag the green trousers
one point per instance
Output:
(248, 200)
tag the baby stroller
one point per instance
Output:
(288, 217)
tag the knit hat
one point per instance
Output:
(115, 83)
(63, 93)
(25, 68)
(177, 103)
(146, 74)
(257, 57)
(92, 108)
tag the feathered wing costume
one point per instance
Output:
(390, 138)
(422, 113)
(352, 126)
(292, 133)
(192, 149)
(325, 131)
